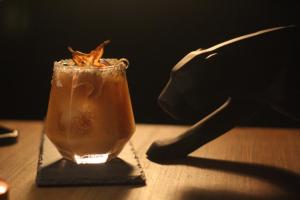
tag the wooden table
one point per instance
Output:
(246, 163)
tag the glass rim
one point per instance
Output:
(121, 65)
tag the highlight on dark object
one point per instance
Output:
(8, 136)
(196, 88)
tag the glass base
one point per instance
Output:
(91, 158)
(55, 170)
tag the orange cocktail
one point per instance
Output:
(89, 116)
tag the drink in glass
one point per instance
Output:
(89, 117)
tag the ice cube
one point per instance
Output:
(88, 85)
(83, 89)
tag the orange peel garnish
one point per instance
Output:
(90, 59)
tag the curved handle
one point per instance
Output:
(224, 118)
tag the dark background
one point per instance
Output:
(153, 35)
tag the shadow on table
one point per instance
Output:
(70, 193)
(207, 194)
(287, 181)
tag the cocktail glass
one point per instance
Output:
(90, 117)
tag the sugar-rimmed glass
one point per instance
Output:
(89, 117)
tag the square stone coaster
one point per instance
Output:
(53, 170)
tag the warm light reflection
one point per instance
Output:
(91, 159)
(2, 189)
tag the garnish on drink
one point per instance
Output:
(89, 116)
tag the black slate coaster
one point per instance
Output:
(53, 170)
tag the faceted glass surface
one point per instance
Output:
(89, 117)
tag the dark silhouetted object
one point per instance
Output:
(226, 84)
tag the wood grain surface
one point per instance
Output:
(245, 163)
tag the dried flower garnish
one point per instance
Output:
(90, 59)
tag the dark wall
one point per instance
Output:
(153, 35)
